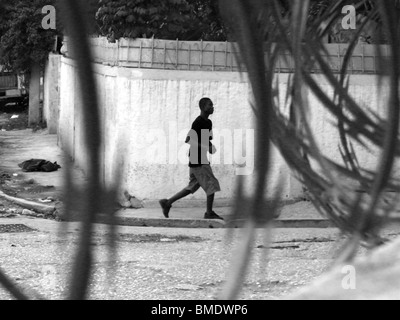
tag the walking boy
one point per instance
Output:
(201, 175)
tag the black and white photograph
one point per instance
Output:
(199, 157)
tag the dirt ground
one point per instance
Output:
(16, 185)
(16, 118)
(13, 118)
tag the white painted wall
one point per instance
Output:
(136, 104)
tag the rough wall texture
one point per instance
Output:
(146, 115)
(51, 103)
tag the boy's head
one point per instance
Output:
(206, 105)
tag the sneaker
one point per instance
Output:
(212, 215)
(165, 207)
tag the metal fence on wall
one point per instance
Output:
(220, 56)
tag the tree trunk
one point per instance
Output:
(34, 96)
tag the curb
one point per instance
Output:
(212, 224)
(163, 223)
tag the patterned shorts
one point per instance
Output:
(203, 177)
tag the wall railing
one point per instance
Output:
(221, 56)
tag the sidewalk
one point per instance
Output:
(18, 146)
(298, 215)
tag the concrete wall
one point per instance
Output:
(51, 99)
(146, 115)
(364, 89)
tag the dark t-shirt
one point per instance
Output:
(201, 131)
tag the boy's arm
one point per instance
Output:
(195, 143)
(211, 148)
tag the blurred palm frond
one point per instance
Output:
(262, 30)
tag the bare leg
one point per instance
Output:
(210, 214)
(167, 203)
(210, 202)
(181, 194)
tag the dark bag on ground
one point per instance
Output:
(39, 165)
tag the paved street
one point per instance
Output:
(164, 263)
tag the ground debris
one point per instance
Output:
(309, 240)
(27, 212)
(4, 176)
(281, 247)
(14, 228)
(187, 287)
